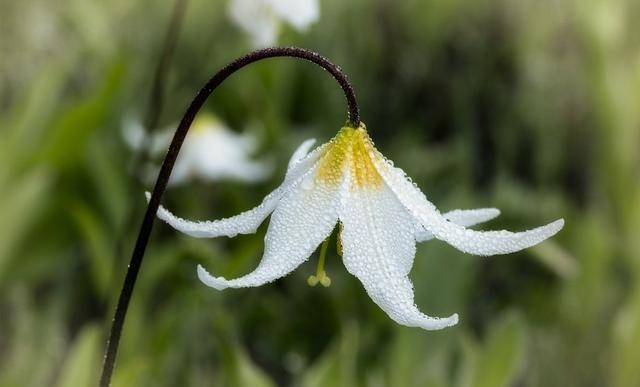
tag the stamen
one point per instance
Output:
(321, 276)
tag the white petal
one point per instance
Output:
(133, 133)
(183, 168)
(300, 153)
(246, 222)
(299, 13)
(305, 216)
(247, 171)
(249, 142)
(257, 18)
(226, 162)
(378, 247)
(213, 152)
(469, 241)
(162, 139)
(464, 218)
(135, 136)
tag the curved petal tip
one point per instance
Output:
(301, 152)
(559, 224)
(435, 323)
(218, 283)
(552, 228)
(493, 212)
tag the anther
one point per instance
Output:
(312, 280)
(325, 280)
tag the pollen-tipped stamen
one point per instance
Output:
(321, 275)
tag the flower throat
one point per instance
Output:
(351, 149)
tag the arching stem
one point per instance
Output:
(167, 166)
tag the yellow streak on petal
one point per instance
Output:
(350, 150)
(332, 162)
(362, 168)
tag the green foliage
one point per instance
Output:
(498, 362)
(528, 106)
(83, 359)
(336, 367)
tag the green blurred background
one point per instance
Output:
(529, 106)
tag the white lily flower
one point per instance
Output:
(382, 213)
(210, 152)
(262, 19)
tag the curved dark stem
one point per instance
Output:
(167, 166)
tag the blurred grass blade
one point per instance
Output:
(242, 372)
(26, 119)
(626, 344)
(557, 259)
(80, 369)
(337, 367)
(417, 359)
(99, 248)
(498, 361)
(84, 115)
(19, 205)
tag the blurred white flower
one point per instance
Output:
(210, 151)
(382, 216)
(262, 19)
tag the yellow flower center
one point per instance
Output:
(350, 150)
